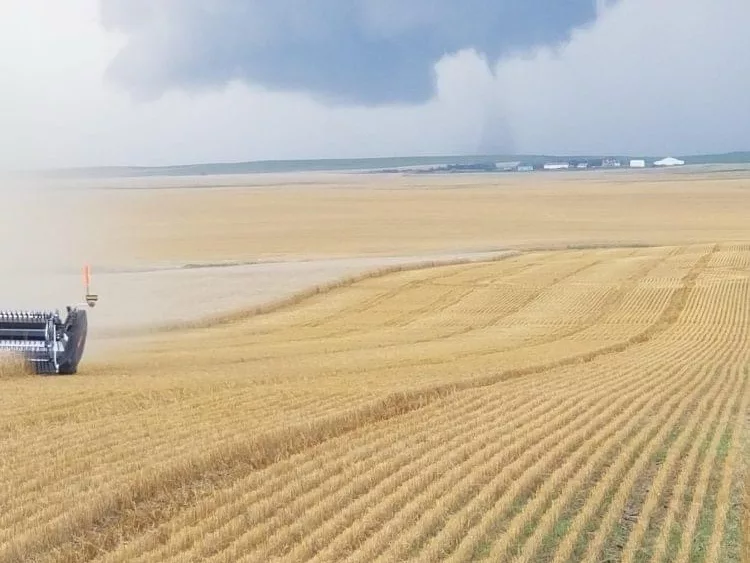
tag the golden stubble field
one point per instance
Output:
(558, 403)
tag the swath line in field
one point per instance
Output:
(626, 464)
(616, 498)
(467, 547)
(340, 316)
(492, 508)
(595, 465)
(738, 345)
(274, 446)
(302, 464)
(525, 442)
(675, 508)
(326, 288)
(379, 347)
(716, 463)
(653, 481)
(605, 310)
(424, 514)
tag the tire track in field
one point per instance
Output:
(361, 307)
(674, 439)
(611, 302)
(357, 309)
(302, 296)
(677, 295)
(607, 308)
(366, 330)
(338, 516)
(690, 523)
(157, 487)
(570, 484)
(284, 353)
(522, 304)
(623, 472)
(728, 350)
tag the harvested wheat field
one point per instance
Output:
(572, 404)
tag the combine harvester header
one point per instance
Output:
(49, 344)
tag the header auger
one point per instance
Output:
(48, 343)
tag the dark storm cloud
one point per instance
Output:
(351, 51)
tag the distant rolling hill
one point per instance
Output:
(352, 164)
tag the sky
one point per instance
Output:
(157, 82)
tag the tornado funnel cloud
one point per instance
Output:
(363, 52)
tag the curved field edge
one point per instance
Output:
(299, 297)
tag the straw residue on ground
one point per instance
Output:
(576, 405)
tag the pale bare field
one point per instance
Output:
(555, 403)
(384, 216)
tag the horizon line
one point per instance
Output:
(512, 156)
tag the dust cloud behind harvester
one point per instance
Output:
(50, 230)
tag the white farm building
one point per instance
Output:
(669, 161)
(638, 163)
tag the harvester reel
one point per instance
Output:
(48, 343)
